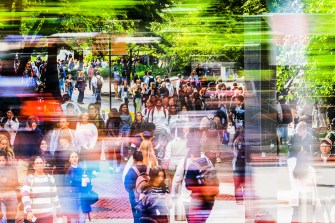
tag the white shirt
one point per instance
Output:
(159, 118)
(95, 80)
(86, 136)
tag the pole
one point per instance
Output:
(110, 70)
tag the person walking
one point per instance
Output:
(124, 132)
(138, 169)
(39, 194)
(81, 85)
(113, 142)
(203, 194)
(97, 83)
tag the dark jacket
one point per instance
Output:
(81, 83)
(296, 142)
(112, 127)
(27, 143)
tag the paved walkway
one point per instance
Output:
(113, 205)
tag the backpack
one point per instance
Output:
(141, 180)
(207, 179)
(212, 131)
(151, 80)
(287, 114)
(99, 83)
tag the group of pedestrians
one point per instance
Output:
(172, 142)
(49, 173)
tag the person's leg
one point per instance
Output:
(118, 156)
(116, 91)
(238, 187)
(90, 83)
(3, 216)
(98, 95)
(70, 92)
(11, 205)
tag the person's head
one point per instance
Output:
(148, 104)
(240, 99)
(64, 141)
(63, 123)
(150, 127)
(148, 152)
(66, 97)
(138, 117)
(158, 102)
(193, 73)
(4, 142)
(138, 156)
(152, 98)
(70, 109)
(166, 101)
(115, 69)
(184, 108)
(172, 110)
(125, 82)
(10, 113)
(325, 146)
(74, 159)
(3, 158)
(97, 73)
(163, 84)
(92, 110)
(84, 117)
(38, 164)
(124, 109)
(113, 113)
(302, 129)
(172, 101)
(184, 87)
(32, 122)
(44, 145)
(157, 176)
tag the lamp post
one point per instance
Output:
(110, 70)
